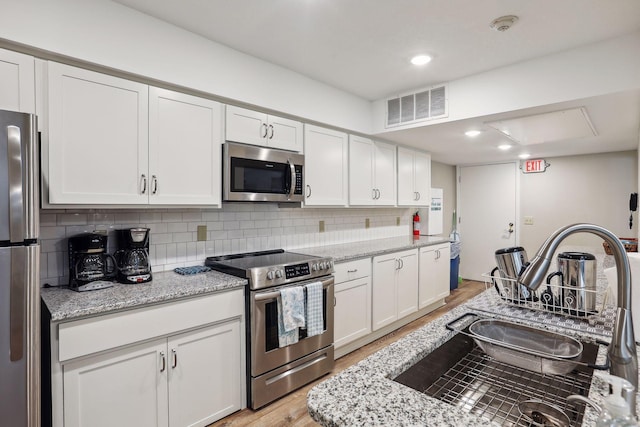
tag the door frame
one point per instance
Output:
(459, 213)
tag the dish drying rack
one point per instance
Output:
(573, 302)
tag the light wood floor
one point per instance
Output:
(291, 410)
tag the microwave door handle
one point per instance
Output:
(292, 184)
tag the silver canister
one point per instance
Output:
(578, 271)
(511, 261)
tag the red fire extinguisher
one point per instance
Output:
(416, 224)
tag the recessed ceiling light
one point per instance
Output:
(524, 155)
(504, 146)
(420, 59)
(473, 133)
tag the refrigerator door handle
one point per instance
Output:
(14, 166)
(17, 303)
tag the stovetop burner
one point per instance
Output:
(271, 268)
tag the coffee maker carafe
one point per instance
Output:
(90, 266)
(132, 256)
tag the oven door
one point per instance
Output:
(266, 354)
(262, 174)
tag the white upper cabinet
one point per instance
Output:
(17, 87)
(372, 172)
(326, 167)
(97, 138)
(414, 178)
(256, 128)
(111, 141)
(185, 139)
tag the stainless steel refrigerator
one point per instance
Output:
(19, 271)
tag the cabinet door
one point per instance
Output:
(406, 193)
(98, 138)
(361, 171)
(407, 283)
(205, 374)
(383, 297)
(442, 269)
(246, 126)
(385, 174)
(17, 82)
(284, 134)
(422, 178)
(326, 167)
(122, 388)
(434, 274)
(185, 140)
(352, 311)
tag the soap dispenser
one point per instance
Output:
(615, 410)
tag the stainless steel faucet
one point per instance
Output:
(622, 350)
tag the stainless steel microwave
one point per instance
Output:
(259, 174)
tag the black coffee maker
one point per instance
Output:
(90, 266)
(132, 256)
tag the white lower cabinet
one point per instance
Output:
(434, 273)
(395, 287)
(189, 378)
(352, 312)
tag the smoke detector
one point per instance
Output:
(503, 23)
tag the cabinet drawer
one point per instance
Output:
(352, 270)
(86, 336)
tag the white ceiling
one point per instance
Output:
(364, 46)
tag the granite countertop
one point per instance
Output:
(65, 304)
(349, 251)
(366, 395)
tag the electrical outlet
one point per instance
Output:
(528, 220)
(202, 233)
(321, 226)
(367, 223)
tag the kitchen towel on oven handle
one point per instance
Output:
(315, 320)
(290, 314)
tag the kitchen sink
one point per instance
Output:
(461, 374)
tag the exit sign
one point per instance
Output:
(534, 166)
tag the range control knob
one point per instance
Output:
(270, 275)
(322, 265)
(278, 273)
(329, 264)
(314, 267)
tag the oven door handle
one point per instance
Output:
(275, 294)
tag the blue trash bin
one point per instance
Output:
(453, 276)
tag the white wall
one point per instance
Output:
(109, 34)
(590, 188)
(597, 69)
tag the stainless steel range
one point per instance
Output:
(272, 370)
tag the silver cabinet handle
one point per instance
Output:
(378, 194)
(266, 130)
(352, 271)
(154, 180)
(14, 166)
(174, 355)
(272, 131)
(143, 182)
(418, 194)
(335, 301)
(401, 263)
(163, 359)
(373, 193)
(308, 191)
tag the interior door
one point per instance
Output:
(487, 206)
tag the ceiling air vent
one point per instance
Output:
(424, 105)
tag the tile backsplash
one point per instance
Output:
(237, 227)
